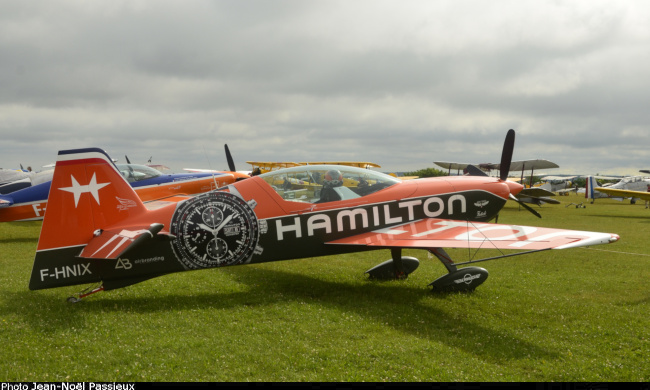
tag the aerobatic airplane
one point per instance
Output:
(97, 230)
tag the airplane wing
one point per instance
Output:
(451, 165)
(444, 233)
(624, 193)
(557, 178)
(514, 165)
(531, 165)
(273, 164)
(359, 164)
(159, 167)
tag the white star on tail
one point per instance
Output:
(93, 187)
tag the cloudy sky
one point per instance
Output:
(398, 83)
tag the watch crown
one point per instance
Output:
(264, 226)
(258, 250)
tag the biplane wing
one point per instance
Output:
(624, 193)
(522, 165)
(267, 166)
(438, 233)
(358, 164)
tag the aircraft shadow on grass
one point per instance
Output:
(376, 302)
(18, 240)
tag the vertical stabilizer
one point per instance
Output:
(88, 192)
(590, 184)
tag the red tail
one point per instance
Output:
(87, 193)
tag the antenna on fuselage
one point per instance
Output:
(214, 179)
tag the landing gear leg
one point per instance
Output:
(458, 279)
(84, 293)
(397, 268)
(398, 265)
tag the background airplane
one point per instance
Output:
(629, 183)
(562, 185)
(13, 180)
(29, 204)
(87, 237)
(522, 165)
(268, 166)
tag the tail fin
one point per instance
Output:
(590, 184)
(87, 193)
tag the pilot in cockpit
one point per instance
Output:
(332, 179)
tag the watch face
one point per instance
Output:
(214, 229)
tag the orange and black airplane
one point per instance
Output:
(97, 230)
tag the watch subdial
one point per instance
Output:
(217, 249)
(197, 237)
(212, 216)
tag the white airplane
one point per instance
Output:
(560, 184)
(632, 187)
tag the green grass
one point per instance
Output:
(570, 315)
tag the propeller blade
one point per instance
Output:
(524, 205)
(506, 155)
(127, 159)
(231, 163)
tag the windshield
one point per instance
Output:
(326, 183)
(134, 172)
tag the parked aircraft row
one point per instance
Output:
(98, 230)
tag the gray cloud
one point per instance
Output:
(298, 80)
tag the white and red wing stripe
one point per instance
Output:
(441, 233)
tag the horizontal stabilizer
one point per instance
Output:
(6, 201)
(535, 192)
(537, 200)
(109, 244)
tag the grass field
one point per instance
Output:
(570, 315)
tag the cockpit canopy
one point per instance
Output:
(135, 172)
(632, 179)
(326, 183)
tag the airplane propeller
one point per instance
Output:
(506, 155)
(231, 162)
(504, 169)
(506, 160)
